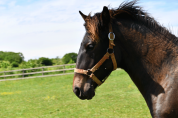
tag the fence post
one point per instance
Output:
(4, 74)
(64, 70)
(42, 71)
(23, 73)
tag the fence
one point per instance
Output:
(23, 75)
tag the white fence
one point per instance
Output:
(5, 76)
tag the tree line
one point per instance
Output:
(16, 60)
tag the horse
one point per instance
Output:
(129, 38)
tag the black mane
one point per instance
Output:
(132, 11)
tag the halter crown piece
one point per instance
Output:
(90, 72)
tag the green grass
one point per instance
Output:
(52, 97)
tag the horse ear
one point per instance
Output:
(83, 15)
(105, 16)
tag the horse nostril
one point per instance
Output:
(77, 91)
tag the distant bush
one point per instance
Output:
(32, 63)
(4, 64)
(12, 60)
(14, 64)
(45, 61)
(56, 61)
(71, 61)
(69, 56)
(71, 66)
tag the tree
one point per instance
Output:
(69, 56)
(11, 57)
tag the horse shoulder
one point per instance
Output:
(166, 104)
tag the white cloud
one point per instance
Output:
(11, 4)
(53, 28)
(2, 2)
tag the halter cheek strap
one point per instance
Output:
(90, 72)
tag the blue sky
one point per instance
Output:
(51, 28)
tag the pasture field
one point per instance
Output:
(52, 97)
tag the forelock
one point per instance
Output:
(92, 27)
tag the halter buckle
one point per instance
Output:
(111, 36)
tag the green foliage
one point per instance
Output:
(14, 64)
(56, 61)
(32, 63)
(70, 66)
(4, 64)
(71, 61)
(45, 61)
(69, 56)
(11, 57)
(12, 60)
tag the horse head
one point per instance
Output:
(94, 49)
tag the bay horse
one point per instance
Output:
(137, 43)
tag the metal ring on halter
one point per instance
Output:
(110, 35)
(89, 72)
(110, 49)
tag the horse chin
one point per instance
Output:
(91, 96)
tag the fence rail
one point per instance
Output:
(31, 73)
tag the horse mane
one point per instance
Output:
(131, 11)
(142, 17)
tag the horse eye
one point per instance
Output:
(90, 47)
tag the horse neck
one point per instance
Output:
(144, 57)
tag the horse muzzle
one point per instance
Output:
(82, 87)
(89, 94)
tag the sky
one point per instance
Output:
(51, 28)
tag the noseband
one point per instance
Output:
(109, 53)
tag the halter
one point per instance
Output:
(109, 53)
